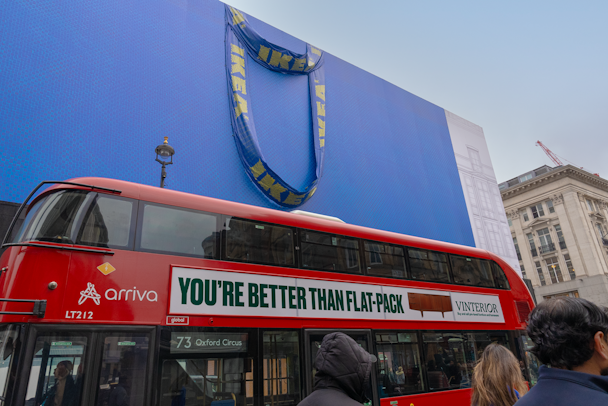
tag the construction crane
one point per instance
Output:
(554, 157)
(550, 154)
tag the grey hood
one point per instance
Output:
(342, 364)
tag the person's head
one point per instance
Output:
(570, 333)
(62, 369)
(341, 361)
(495, 376)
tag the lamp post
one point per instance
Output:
(164, 156)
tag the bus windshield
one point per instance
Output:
(52, 217)
(76, 216)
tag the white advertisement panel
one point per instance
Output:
(469, 307)
(206, 292)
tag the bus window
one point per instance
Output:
(384, 260)
(53, 218)
(56, 373)
(8, 341)
(499, 277)
(179, 231)
(398, 364)
(472, 271)
(449, 360)
(281, 368)
(329, 252)
(482, 340)
(108, 223)
(259, 242)
(122, 377)
(211, 368)
(428, 266)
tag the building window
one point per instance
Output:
(554, 271)
(560, 237)
(541, 276)
(537, 210)
(532, 245)
(526, 218)
(475, 159)
(600, 229)
(526, 177)
(517, 248)
(546, 245)
(523, 271)
(510, 222)
(590, 205)
(570, 267)
(549, 204)
(567, 294)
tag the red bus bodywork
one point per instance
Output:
(30, 271)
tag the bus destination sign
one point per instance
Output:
(207, 292)
(186, 342)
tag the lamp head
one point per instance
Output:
(165, 152)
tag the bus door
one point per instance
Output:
(77, 366)
(201, 367)
(313, 339)
(229, 367)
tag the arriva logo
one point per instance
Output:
(89, 293)
(113, 294)
(149, 295)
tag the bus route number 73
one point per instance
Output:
(187, 344)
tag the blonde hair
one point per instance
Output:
(495, 378)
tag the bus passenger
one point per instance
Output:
(497, 380)
(63, 393)
(343, 373)
(453, 373)
(571, 335)
(119, 396)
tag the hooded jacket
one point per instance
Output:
(343, 371)
(557, 387)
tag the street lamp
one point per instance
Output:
(554, 273)
(165, 152)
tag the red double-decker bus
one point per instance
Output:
(115, 293)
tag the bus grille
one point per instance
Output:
(523, 310)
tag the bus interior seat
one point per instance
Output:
(224, 399)
(438, 380)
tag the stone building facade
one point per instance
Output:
(558, 221)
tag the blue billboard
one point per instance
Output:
(91, 88)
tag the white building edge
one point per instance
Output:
(486, 212)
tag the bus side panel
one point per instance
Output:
(30, 271)
(124, 287)
(459, 397)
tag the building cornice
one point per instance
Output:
(567, 171)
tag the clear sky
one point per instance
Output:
(522, 70)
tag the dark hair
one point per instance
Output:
(67, 365)
(562, 330)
